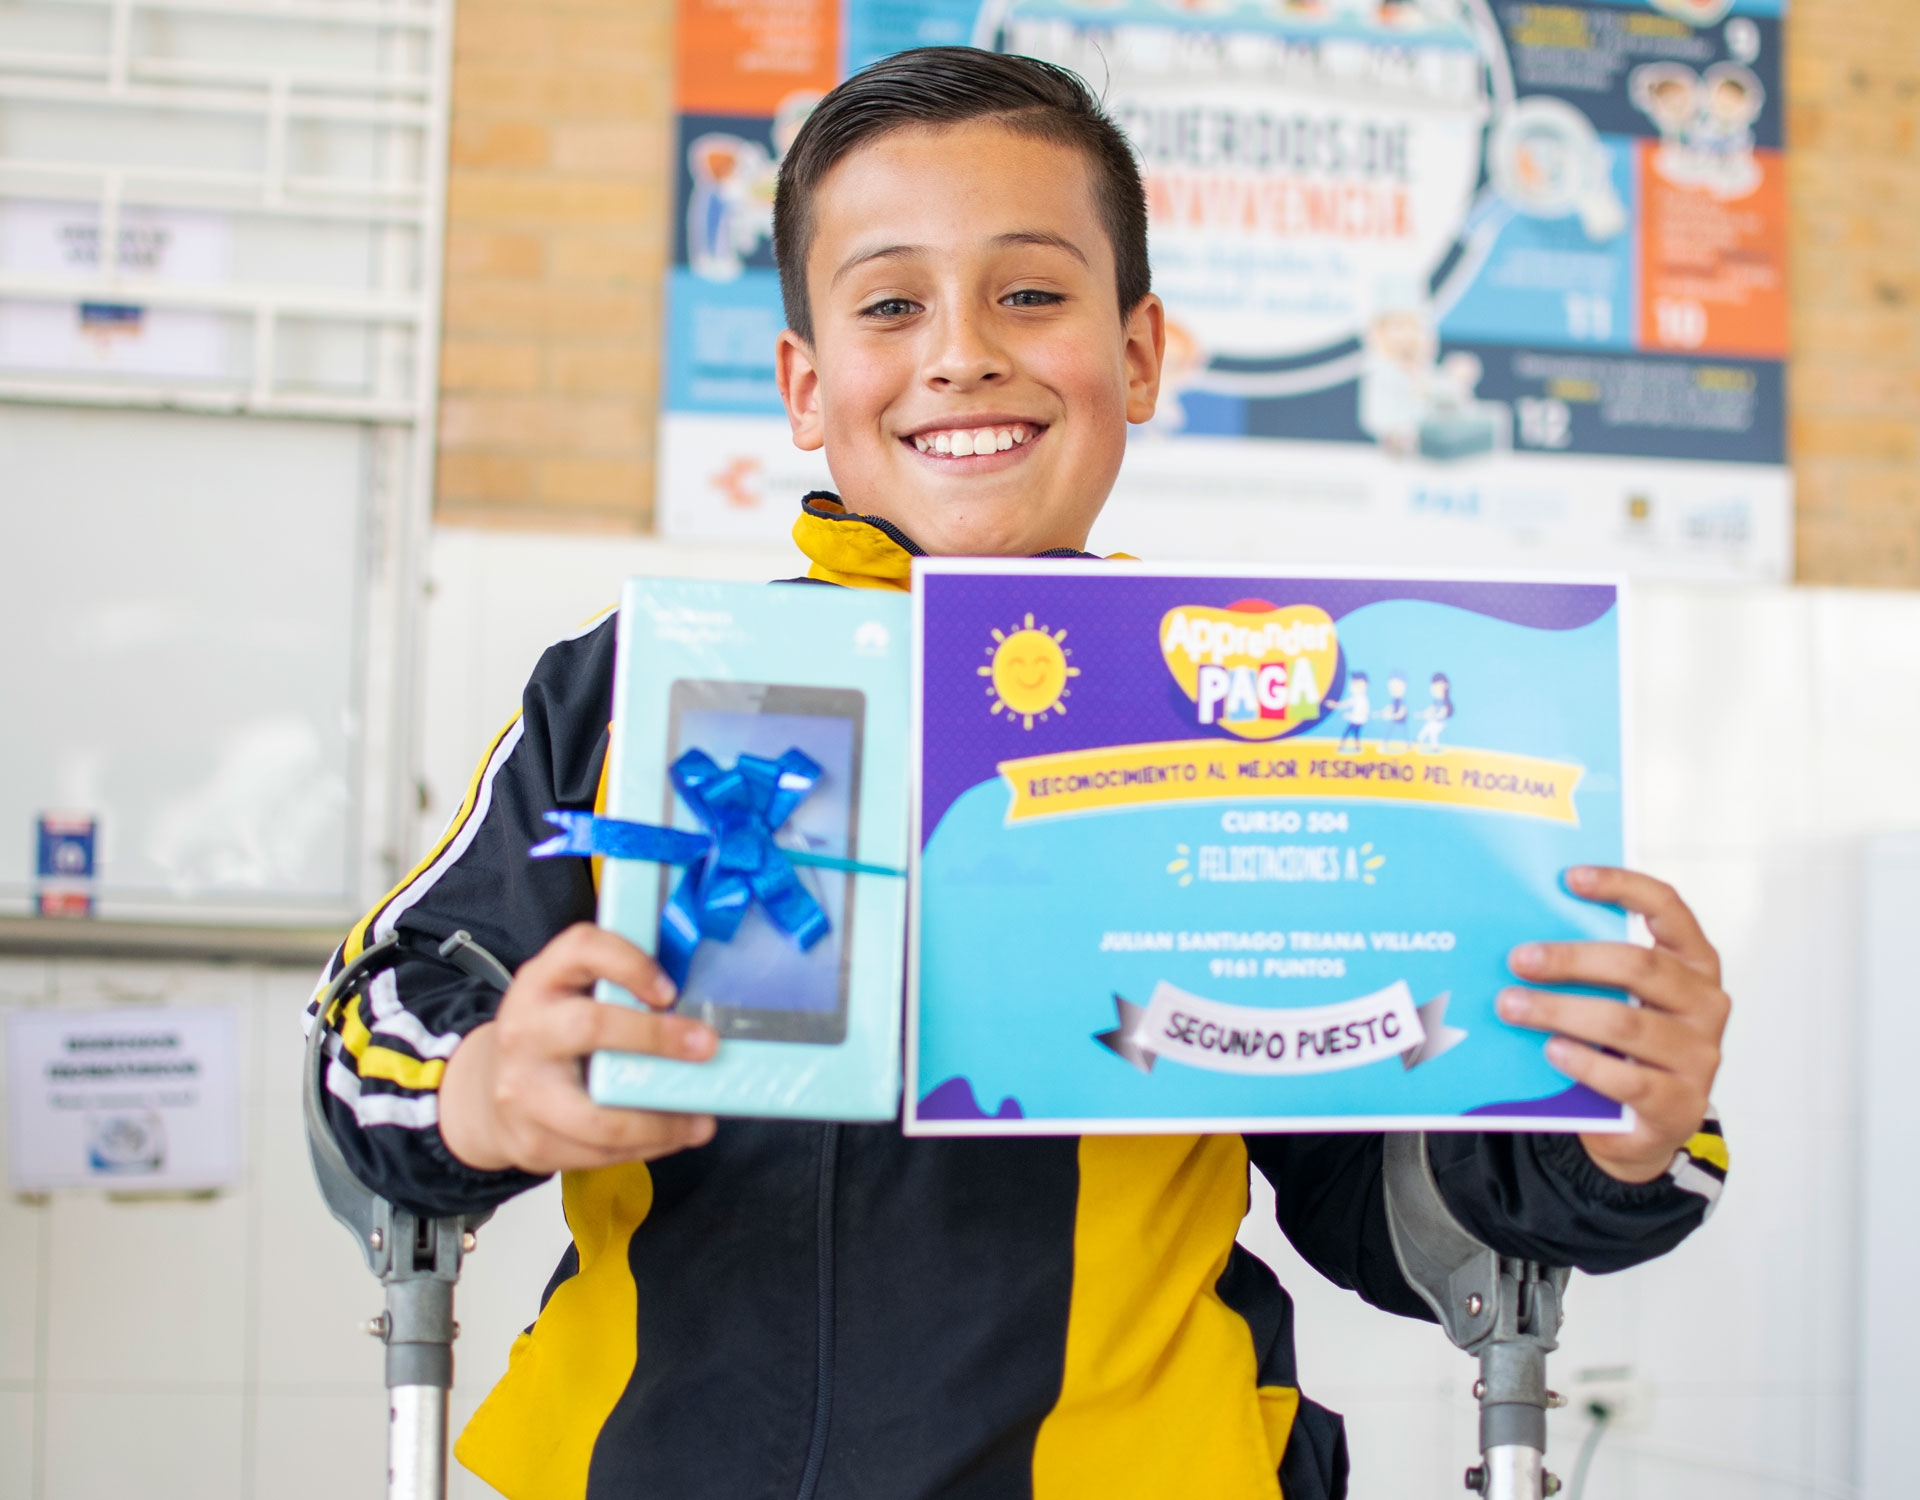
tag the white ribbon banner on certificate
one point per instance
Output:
(1271, 1041)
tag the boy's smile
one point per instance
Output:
(970, 377)
(994, 435)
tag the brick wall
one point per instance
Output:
(557, 234)
(1853, 131)
(557, 204)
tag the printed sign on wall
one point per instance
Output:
(155, 248)
(129, 1099)
(1467, 279)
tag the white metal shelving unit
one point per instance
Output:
(308, 138)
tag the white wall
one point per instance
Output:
(210, 1349)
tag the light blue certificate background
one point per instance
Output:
(1015, 985)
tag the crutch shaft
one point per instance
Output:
(417, 1442)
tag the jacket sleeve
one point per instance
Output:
(1534, 1197)
(387, 1047)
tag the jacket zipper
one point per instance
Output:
(886, 528)
(823, 1388)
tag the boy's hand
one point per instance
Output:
(513, 1093)
(1670, 1042)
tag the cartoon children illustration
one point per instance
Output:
(1357, 709)
(1732, 98)
(1705, 124)
(1411, 401)
(730, 213)
(1669, 95)
(1436, 713)
(1394, 715)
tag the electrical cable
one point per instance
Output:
(1601, 1414)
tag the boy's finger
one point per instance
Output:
(585, 954)
(625, 1134)
(1662, 1102)
(556, 1151)
(1650, 1037)
(1662, 980)
(573, 1028)
(1669, 918)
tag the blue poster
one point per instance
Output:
(1505, 273)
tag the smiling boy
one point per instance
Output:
(799, 1311)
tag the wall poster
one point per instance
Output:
(1447, 281)
(131, 1099)
(161, 246)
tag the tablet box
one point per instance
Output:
(1224, 850)
(758, 669)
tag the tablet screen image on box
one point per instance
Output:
(727, 986)
(809, 1023)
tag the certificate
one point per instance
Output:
(1218, 850)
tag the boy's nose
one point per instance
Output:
(962, 353)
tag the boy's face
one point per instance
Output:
(961, 283)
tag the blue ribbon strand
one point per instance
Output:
(734, 863)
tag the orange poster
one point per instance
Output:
(1713, 252)
(743, 57)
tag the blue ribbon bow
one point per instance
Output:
(731, 865)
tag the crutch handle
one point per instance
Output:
(416, 1258)
(1505, 1311)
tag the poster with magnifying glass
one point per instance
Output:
(1445, 280)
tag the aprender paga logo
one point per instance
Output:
(1255, 669)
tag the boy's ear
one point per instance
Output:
(1146, 347)
(799, 382)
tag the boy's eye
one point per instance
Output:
(1028, 297)
(889, 307)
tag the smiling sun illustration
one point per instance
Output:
(1029, 672)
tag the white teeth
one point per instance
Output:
(965, 442)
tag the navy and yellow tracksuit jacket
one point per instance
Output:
(799, 1311)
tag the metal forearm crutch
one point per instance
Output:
(417, 1259)
(1505, 1311)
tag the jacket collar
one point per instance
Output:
(863, 552)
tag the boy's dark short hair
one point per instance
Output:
(936, 86)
